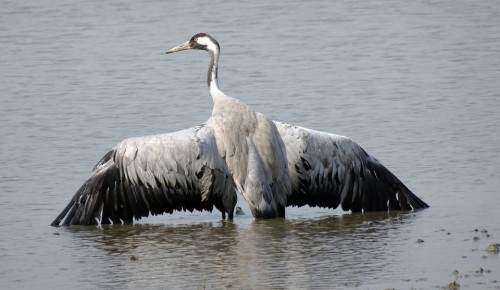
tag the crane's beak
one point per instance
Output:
(181, 47)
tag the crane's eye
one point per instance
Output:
(199, 35)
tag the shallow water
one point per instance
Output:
(415, 83)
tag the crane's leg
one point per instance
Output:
(281, 211)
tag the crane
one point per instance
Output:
(237, 150)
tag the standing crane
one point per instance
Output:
(272, 164)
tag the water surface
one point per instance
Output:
(414, 82)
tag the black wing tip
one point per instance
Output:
(55, 224)
(419, 204)
(410, 199)
(76, 213)
(64, 213)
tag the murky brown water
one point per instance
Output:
(415, 83)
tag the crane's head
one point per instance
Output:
(199, 41)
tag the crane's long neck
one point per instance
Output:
(213, 83)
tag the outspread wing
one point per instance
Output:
(329, 170)
(154, 175)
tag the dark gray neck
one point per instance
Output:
(212, 68)
(213, 84)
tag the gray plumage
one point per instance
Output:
(154, 175)
(329, 170)
(272, 164)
